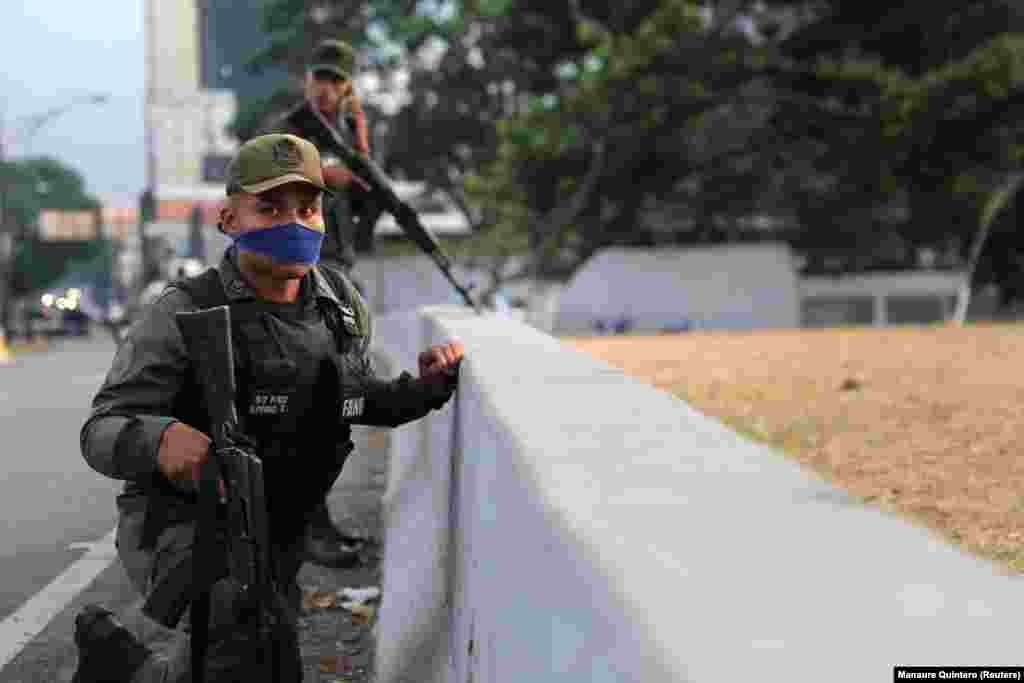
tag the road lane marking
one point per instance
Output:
(19, 629)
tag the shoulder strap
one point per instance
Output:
(206, 290)
(350, 297)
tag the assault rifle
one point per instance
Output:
(305, 117)
(237, 469)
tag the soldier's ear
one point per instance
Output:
(228, 218)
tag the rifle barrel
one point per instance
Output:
(381, 187)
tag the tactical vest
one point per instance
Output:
(291, 363)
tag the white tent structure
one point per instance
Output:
(674, 289)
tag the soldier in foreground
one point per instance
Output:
(300, 344)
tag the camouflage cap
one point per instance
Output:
(271, 160)
(335, 56)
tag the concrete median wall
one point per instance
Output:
(559, 520)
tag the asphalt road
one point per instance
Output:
(49, 497)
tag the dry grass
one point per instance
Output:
(923, 421)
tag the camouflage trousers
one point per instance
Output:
(231, 646)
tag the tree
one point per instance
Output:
(648, 101)
(928, 98)
(560, 128)
(29, 186)
(458, 83)
(856, 127)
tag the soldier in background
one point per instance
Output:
(330, 93)
(350, 217)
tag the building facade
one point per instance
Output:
(187, 135)
(231, 34)
(195, 56)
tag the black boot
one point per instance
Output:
(107, 651)
(327, 546)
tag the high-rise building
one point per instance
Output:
(188, 114)
(187, 137)
(231, 34)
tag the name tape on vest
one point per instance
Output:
(353, 407)
(269, 404)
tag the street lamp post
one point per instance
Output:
(26, 129)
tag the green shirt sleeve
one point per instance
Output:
(131, 411)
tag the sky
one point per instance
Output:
(58, 51)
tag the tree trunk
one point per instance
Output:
(996, 202)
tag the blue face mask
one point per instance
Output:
(290, 243)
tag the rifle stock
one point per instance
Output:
(383, 192)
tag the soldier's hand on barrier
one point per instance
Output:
(182, 451)
(441, 360)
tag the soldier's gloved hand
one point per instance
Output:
(342, 178)
(182, 450)
(441, 362)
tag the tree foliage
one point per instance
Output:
(30, 185)
(856, 130)
(929, 97)
(27, 186)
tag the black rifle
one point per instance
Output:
(381, 191)
(207, 336)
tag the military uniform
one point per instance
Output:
(320, 381)
(304, 377)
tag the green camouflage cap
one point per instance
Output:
(271, 160)
(335, 56)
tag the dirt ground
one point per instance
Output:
(923, 421)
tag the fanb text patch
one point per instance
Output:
(353, 407)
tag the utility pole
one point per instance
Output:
(196, 244)
(6, 243)
(147, 200)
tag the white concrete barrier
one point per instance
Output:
(560, 520)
